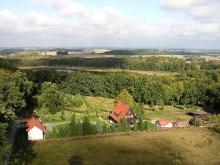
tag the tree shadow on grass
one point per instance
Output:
(75, 160)
(22, 150)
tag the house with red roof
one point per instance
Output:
(122, 111)
(164, 123)
(35, 129)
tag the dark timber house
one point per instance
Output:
(122, 111)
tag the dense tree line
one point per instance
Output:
(137, 63)
(147, 89)
(193, 87)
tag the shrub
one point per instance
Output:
(148, 125)
(87, 127)
(79, 129)
(99, 128)
(63, 130)
(77, 101)
(196, 122)
(216, 128)
(213, 118)
(125, 127)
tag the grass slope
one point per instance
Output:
(174, 146)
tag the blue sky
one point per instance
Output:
(115, 23)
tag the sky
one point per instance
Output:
(110, 23)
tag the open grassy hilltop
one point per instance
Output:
(175, 146)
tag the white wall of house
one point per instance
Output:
(169, 125)
(35, 134)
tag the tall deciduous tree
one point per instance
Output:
(15, 95)
(126, 98)
(51, 97)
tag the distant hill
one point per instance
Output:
(10, 51)
(155, 52)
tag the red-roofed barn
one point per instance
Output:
(35, 129)
(122, 111)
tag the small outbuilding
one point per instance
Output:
(35, 129)
(198, 114)
(122, 111)
(164, 123)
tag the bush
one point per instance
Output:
(77, 101)
(213, 118)
(216, 128)
(196, 122)
(79, 129)
(99, 128)
(148, 125)
(88, 128)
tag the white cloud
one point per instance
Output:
(181, 5)
(78, 24)
(207, 10)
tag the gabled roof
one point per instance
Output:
(119, 111)
(163, 122)
(198, 112)
(34, 122)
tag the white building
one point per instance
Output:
(35, 129)
(164, 124)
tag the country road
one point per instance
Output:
(50, 126)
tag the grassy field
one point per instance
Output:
(190, 146)
(168, 112)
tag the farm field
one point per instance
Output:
(174, 146)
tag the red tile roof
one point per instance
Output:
(163, 122)
(119, 111)
(34, 122)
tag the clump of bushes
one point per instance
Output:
(77, 101)
(196, 122)
(213, 118)
(216, 128)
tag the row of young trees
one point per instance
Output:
(100, 126)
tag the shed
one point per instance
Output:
(164, 123)
(35, 129)
(198, 113)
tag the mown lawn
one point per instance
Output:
(190, 146)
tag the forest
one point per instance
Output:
(151, 63)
